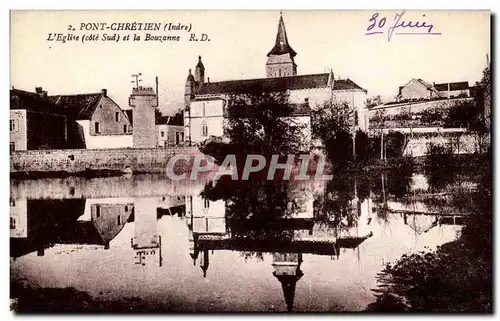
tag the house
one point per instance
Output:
(110, 218)
(418, 89)
(95, 121)
(170, 131)
(35, 123)
(91, 121)
(206, 102)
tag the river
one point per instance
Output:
(224, 246)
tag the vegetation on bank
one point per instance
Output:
(457, 277)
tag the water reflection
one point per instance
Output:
(225, 246)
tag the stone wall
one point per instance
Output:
(417, 106)
(459, 143)
(81, 160)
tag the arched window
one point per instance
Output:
(204, 129)
(279, 72)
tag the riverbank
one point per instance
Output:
(457, 277)
(97, 162)
(420, 163)
(117, 162)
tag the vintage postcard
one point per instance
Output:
(250, 161)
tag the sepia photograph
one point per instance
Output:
(250, 161)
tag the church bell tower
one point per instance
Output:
(280, 62)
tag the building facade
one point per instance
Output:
(35, 123)
(96, 121)
(144, 102)
(206, 102)
(170, 132)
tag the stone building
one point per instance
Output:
(96, 121)
(79, 121)
(144, 102)
(170, 131)
(206, 102)
(35, 123)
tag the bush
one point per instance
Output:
(395, 144)
(438, 156)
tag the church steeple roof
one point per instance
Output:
(200, 64)
(282, 46)
(288, 285)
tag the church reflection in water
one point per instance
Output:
(299, 233)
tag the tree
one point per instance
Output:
(332, 124)
(258, 123)
(255, 208)
(465, 114)
(373, 101)
(364, 148)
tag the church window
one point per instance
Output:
(279, 72)
(203, 109)
(204, 129)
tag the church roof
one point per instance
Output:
(276, 84)
(282, 46)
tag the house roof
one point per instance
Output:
(169, 120)
(424, 83)
(247, 86)
(130, 115)
(80, 106)
(20, 99)
(463, 85)
(162, 120)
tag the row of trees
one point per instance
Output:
(333, 124)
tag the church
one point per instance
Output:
(206, 101)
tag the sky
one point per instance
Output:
(239, 43)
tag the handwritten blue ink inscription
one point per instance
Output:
(378, 25)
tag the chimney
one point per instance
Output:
(39, 90)
(208, 79)
(44, 94)
(104, 92)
